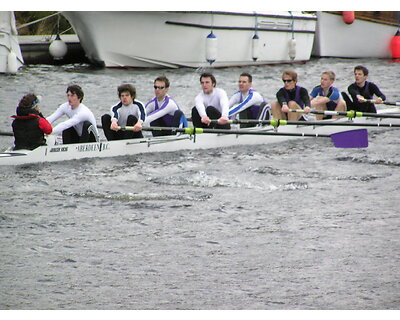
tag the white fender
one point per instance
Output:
(255, 47)
(12, 65)
(292, 49)
(211, 48)
(58, 49)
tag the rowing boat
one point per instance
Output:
(185, 141)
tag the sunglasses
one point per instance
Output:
(287, 80)
(159, 87)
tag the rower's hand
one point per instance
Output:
(285, 108)
(307, 110)
(378, 100)
(223, 120)
(138, 126)
(361, 99)
(114, 126)
(206, 120)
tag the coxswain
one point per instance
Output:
(29, 125)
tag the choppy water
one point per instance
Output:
(300, 225)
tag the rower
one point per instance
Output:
(326, 97)
(127, 112)
(247, 103)
(292, 97)
(162, 110)
(211, 103)
(361, 91)
(81, 125)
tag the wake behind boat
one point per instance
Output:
(152, 39)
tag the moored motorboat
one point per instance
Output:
(10, 52)
(365, 34)
(193, 39)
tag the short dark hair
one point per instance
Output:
(362, 68)
(209, 75)
(75, 89)
(163, 79)
(248, 75)
(28, 101)
(126, 87)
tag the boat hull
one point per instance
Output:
(360, 39)
(178, 39)
(10, 52)
(107, 149)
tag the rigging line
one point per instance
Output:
(36, 21)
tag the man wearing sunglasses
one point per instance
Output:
(128, 112)
(162, 110)
(291, 97)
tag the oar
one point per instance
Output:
(386, 103)
(8, 134)
(349, 114)
(346, 139)
(276, 123)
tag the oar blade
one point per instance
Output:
(351, 139)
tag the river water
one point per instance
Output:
(296, 225)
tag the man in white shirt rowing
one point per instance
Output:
(210, 104)
(81, 125)
(128, 112)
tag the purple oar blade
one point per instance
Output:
(351, 139)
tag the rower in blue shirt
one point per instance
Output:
(326, 97)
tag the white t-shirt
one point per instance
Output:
(218, 99)
(76, 118)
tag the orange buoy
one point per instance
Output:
(348, 17)
(395, 45)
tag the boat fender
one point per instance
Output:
(12, 66)
(395, 45)
(58, 49)
(292, 49)
(211, 48)
(348, 17)
(255, 47)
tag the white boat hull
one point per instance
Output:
(361, 39)
(178, 39)
(106, 149)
